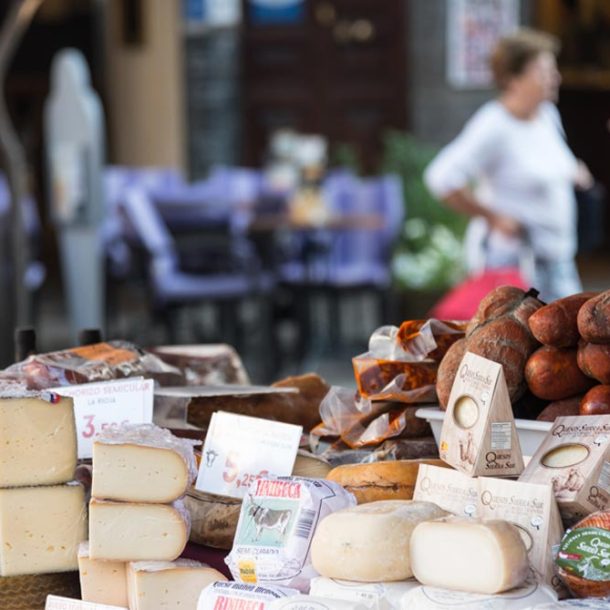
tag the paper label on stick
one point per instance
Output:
(98, 406)
(479, 437)
(239, 449)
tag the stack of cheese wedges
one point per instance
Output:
(138, 526)
(42, 512)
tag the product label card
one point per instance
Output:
(98, 406)
(55, 602)
(239, 449)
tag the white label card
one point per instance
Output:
(98, 406)
(238, 449)
(55, 602)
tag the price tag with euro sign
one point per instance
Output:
(98, 406)
(239, 449)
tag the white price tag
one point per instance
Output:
(239, 449)
(98, 406)
(54, 602)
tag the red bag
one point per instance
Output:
(462, 301)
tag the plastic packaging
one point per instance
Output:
(398, 380)
(360, 422)
(277, 522)
(89, 363)
(416, 340)
(220, 595)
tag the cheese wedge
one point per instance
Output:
(122, 531)
(102, 582)
(369, 542)
(141, 464)
(38, 442)
(168, 584)
(469, 555)
(41, 529)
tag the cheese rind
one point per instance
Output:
(122, 531)
(162, 584)
(29, 426)
(102, 582)
(468, 555)
(41, 529)
(370, 542)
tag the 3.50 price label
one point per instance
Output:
(239, 449)
(98, 406)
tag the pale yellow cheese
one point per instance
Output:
(102, 582)
(466, 412)
(38, 442)
(168, 584)
(138, 473)
(469, 555)
(41, 529)
(565, 455)
(369, 542)
(124, 531)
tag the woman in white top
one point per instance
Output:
(513, 172)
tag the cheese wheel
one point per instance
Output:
(369, 542)
(469, 555)
(392, 480)
(168, 584)
(583, 556)
(122, 531)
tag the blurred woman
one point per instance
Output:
(512, 171)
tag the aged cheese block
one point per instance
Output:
(391, 480)
(41, 529)
(168, 584)
(30, 592)
(369, 542)
(468, 555)
(122, 531)
(102, 582)
(309, 602)
(38, 441)
(141, 463)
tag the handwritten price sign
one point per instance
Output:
(240, 449)
(98, 406)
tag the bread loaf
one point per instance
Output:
(553, 374)
(594, 360)
(555, 324)
(393, 480)
(498, 331)
(594, 319)
(596, 401)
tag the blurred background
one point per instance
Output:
(250, 171)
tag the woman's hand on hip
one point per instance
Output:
(506, 225)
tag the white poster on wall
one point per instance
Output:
(473, 28)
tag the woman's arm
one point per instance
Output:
(464, 201)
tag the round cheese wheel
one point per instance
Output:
(370, 542)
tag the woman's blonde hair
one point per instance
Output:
(512, 53)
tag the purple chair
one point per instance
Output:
(352, 260)
(172, 288)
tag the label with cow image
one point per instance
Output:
(277, 521)
(238, 449)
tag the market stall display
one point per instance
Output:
(375, 531)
